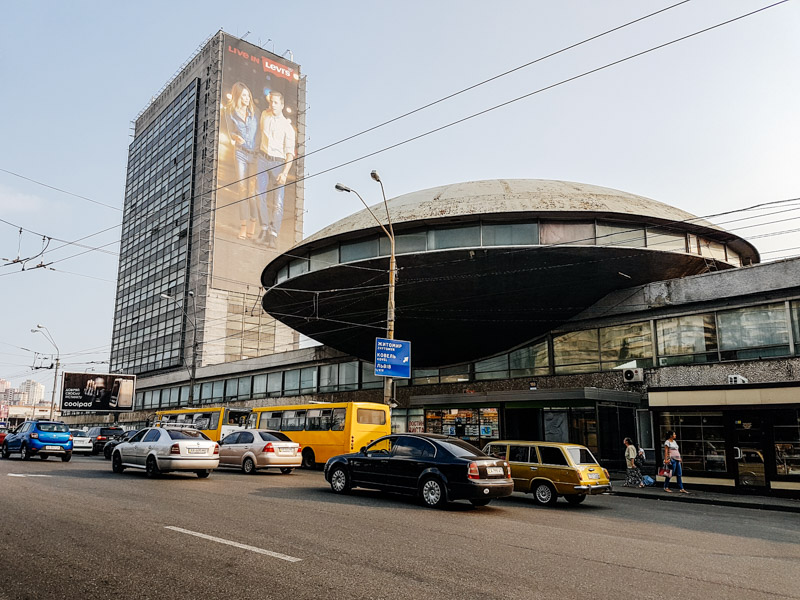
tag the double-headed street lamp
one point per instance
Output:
(387, 384)
(193, 368)
(46, 333)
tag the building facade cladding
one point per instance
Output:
(168, 236)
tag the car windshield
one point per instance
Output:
(460, 448)
(274, 436)
(186, 434)
(581, 456)
(77, 433)
(53, 427)
(111, 432)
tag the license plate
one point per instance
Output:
(197, 450)
(594, 475)
(285, 451)
(53, 448)
(494, 470)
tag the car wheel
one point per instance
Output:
(151, 467)
(286, 470)
(203, 473)
(6, 452)
(24, 453)
(340, 480)
(43, 456)
(248, 466)
(66, 457)
(481, 501)
(544, 494)
(575, 498)
(116, 463)
(309, 460)
(433, 493)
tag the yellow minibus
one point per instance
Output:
(215, 421)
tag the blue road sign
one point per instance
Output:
(392, 358)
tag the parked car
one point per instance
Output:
(45, 438)
(81, 442)
(550, 469)
(437, 468)
(163, 449)
(254, 449)
(109, 446)
(100, 435)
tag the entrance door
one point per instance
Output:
(748, 450)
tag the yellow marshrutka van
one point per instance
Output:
(550, 469)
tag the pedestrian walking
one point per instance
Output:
(633, 476)
(672, 462)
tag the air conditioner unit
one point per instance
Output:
(632, 375)
(734, 379)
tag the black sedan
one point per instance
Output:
(108, 448)
(437, 468)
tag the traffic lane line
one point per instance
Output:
(235, 544)
(26, 475)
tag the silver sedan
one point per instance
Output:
(162, 449)
(81, 442)
(254, 449)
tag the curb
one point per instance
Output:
(692, 498)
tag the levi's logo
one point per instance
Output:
(276, 68)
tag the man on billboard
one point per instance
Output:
(275, 142)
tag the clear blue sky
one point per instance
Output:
(709, 124)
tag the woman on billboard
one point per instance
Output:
(242, 126)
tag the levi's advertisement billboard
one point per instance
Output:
(259, 210)
(98, 392)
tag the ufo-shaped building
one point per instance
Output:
(485, 266)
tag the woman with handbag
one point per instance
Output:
(633, 476)
(672, 463)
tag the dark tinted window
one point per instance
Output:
(231, 438)
(184, 434)
(518, 453)
(411, 447)
(552, 456)
(152, 435)
(77, 433)
(460, 448)
(53, 427)
(111, 431)
(129, 434)
(274, 436)
(138, 437)
(246, 437)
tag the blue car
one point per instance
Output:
(45, 438)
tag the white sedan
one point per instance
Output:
(162, 449)
(81, 442)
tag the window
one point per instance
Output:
(291, 382)
(246, 437)
(566, 233)
(620, 235)
(714, 250)
(518, 453)
(321, 259)
(455, 374)
(405, 243)
(370, 416)
(271, 420)
(273, 436)
(244, 388)
(359, 250)
(293, 420)
(231, 438)
(581, 456)
(626, 346)
(700, 436)
(338, 419)
(454, 237)
(411, 447)
(689, 339)
(274, 381)
(754, 332)
(152, 436)
(531, 360)
(795, 316)
(138, 437)
(348, 376)
(552, 455)
(319, 419)
(308, 380)
(497, 450)
(576, 352)
(492, 368)
(368, 378)
(185, 434)
(424, 376)
(787, 442)
(259, 386)
(668, 241)
(328, 378)
(510, 234)
(298, 266)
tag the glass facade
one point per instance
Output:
(700, 438)
(148, 328)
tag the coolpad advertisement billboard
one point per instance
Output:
(257, 201)
(98, 392)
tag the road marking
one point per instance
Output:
(26, 475)
(235, 544)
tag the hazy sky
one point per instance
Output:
(709, 124)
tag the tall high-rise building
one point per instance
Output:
(34, 391)
(214, 190)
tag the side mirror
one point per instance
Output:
(737, 454)
(363, 449)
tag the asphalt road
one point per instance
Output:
(76, 530)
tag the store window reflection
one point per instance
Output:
(626, 346)
(753, 332)
(689, 339)
(577, 352)
(476, 426)
(701, 438)
(787, 442)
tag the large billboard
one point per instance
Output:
(98, 392)
(258, 205)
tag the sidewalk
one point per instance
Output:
(657, 492)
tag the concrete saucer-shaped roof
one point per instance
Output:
(463, 303)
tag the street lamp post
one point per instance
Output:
(46, 333)
(193, 368)
(390, 308)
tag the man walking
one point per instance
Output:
(276, 141)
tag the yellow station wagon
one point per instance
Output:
(549, 470)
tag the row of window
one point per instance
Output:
(738, 334)
(534, 233)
